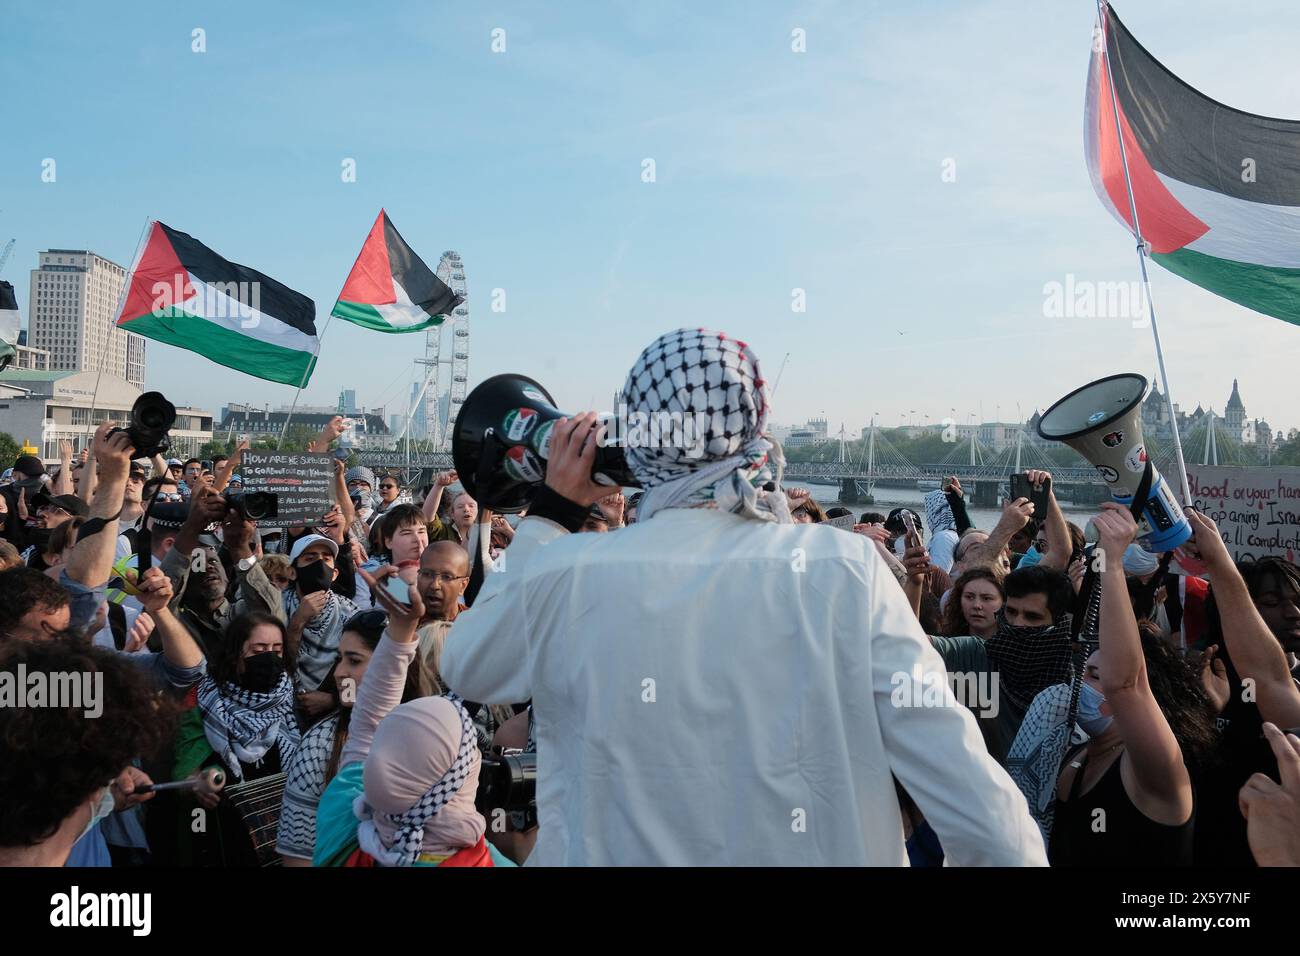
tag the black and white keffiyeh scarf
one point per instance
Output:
(1049, 729)
(711, 388)
(320, 638)
(243, 725)
(1030, 659)
(408, 841)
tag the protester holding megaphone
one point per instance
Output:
(714, 610)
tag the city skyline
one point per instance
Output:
(780, 176)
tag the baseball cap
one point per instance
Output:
(69, 503)
(29, 465)
(174, 463)
(306, 541)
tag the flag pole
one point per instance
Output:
(1142, 252)
(301, 385)
(297, 395)
(117, 316)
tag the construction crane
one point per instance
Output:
(4, 256)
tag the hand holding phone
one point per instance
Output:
(399, 589)
(911, 533)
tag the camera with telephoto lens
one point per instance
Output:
(508, 781)
(152, 417)
(253, 505)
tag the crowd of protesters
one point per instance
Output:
(349, 679)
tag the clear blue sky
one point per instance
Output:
(775, 170)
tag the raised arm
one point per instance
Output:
(952, 491)
(1254, 650)
(341, 496)
(91, 559)
(1154, 757)
(331, 432)
(89, 476)
(227, 467)
(381, 688)
(1055, 530)
(1015, 515)
(916, 559)
(179, 649)
(63, 483)
(434, 497)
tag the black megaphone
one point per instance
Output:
(501, 444)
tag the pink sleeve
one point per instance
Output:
(379, 693)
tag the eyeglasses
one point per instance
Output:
(52, 510)
(442, 577)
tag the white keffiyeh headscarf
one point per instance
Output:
(715, 455)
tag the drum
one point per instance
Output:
(258, 804)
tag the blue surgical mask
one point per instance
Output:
(1089, 716)
(99, 811)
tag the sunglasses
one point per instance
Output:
(388, 487)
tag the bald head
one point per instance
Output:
(444, 575)
(446, 554)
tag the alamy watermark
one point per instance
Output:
(661, 429)
(211, 300)
(78, 690)
(1086, 299)
(977, 690)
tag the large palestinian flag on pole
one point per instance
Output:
(1217, 189)
(390, 289)
(184, 294)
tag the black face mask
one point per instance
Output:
(314, 577)
(262, 672)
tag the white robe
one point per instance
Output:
(712, 690)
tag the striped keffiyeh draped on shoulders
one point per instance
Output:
(243, 725)
(699, 407)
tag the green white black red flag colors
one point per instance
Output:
(10, 324)
(390, 289)
(186, 295)
(1217, 190)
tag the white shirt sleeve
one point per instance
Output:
(936, 750)
(486, 657)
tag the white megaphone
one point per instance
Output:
(1102, 422)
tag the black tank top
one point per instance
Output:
(1130, 838)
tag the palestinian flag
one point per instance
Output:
(186, 295)
(10, 324)
(390, 289)
(1217, 190)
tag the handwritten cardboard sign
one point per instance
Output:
(1257, 510)
(303, 482)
